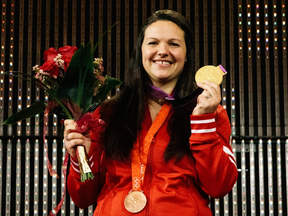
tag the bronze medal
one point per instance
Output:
(135, 201)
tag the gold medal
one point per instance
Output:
(135, 201)
(210, 73)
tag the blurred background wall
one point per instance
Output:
(248, 37)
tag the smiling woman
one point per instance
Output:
(164, 54)
(157, 156)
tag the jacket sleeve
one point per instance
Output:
(210, 146)
(86, 193)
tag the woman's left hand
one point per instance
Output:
(209, 99)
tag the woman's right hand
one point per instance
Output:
(74, 139)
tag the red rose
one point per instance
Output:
(49, 55)
(51, 68)
(67, 52)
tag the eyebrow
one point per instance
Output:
(171, 39)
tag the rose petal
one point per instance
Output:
(51, 68)
(50, 54)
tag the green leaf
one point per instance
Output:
(109, 84)
(36, 108)
(78, 81)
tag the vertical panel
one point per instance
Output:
(65, 23)
(259, 69)
(153, 6)
(56, 46)
(179, 6)
(12, 26)
(197, 35)
(243, 178)
(241, 69)
(223, 23)
(205, 32)
(135, 18)
(1, 172)
(45, 182)
(81, 212)
(36, 177)
(233, 112)
(91, 21)
(20, 63)
(161, 4)
(223, 45)
(267, 68)
(170, 4)
(72, 208)
(109, 39)
(226, 205)
(252, 178)
(215, 34)
(90, 210)
(232, 67)
(74, 22)
(27, 178)
(18, 179)
(144, 11)
(234, 189)
(100, 27)
(8, 178)
(11, 51)
(284, 63)
(47, 46)
(279, 177)
(250, 70)
(286, 165)
(83, 24)
(29, 61)
(38, 61)
(188, 11)
(276, 92)
(270, 178)
(47, 24)
(54, 178)
(56, 24)
(127, 39)
(63, 180)
(217, 207)
(261, 178)
(118, 39)
(2, 62)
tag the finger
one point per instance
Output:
(209, 86)
(68, 122)
(74, 135)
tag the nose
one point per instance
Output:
(162, 50)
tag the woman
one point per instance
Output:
(157, 157)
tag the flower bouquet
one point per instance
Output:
(75, 85)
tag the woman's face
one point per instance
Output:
(164, 53)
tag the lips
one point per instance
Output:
(162, 62)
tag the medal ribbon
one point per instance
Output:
(139, 154)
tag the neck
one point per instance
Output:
(166, 89)
(154, 108)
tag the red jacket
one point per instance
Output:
(171, 189)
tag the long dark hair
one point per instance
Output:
(124, 113)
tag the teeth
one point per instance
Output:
(162, 62)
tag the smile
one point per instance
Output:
(162, 62)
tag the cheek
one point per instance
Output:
(147, 53)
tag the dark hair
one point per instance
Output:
(124, 113)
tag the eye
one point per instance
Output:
(152, 43)
(174, 44)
